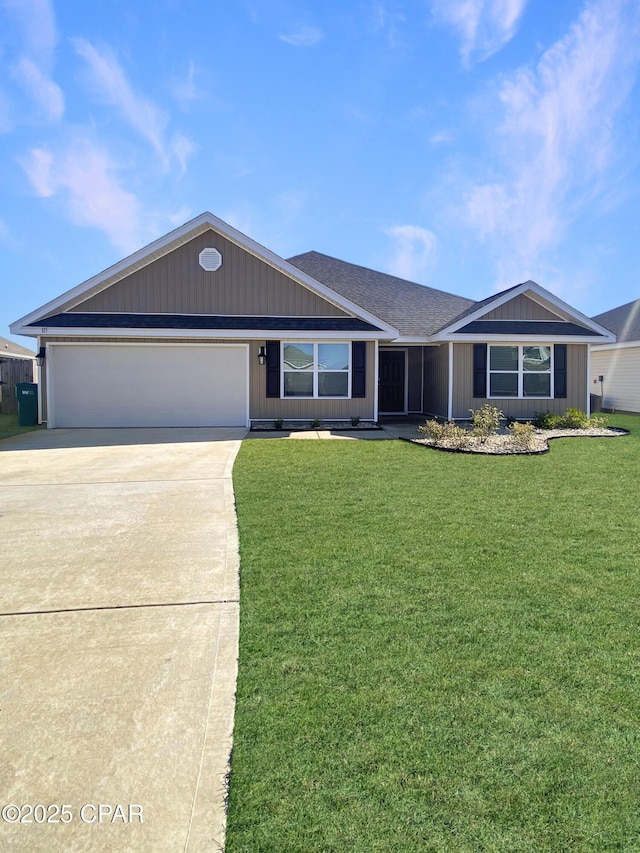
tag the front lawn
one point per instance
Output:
(9, 426)
(438, 652)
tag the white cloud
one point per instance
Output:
(484, 26)
(112, 85)
(556, 140)
(415, 251)
(441, 136)
(302, 36)
(185, 90)
(37, 20)
(47, 94)
(84, 176)
(33, 70)
(182, 148)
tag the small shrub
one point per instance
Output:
(447, 434)
(355, 420)
(432, 430)
(522, 435)
(598, 422)
(573, 419)
(315, 423)
(277, 424)
(546, 420)
(456, 436)
(485, 421)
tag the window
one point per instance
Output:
(520, 371)
(316, 370)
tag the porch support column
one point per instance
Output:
(376, 374)
(450, 382)
(588, 409)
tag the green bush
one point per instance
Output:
(573, 419)
(277, 424)
(546, 420)
(355, 420)
(432, 430)
(485, 421)
(315, 423)
(447, 434)
(522, 435)
(598, 422)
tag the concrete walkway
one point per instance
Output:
(118, 638)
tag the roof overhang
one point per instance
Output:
(213, 334)
(542, 297)
(173, 240)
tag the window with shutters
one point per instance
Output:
(316, 369)
(520, 371)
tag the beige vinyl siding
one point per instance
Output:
(436, 380)
(266, 408)
(463, 398)
(177, 284)
(260, 407)
(621, 371)
(520, 308)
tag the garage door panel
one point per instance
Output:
(150, 385)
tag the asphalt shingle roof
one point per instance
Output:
(414, 309)
(624, 321)
(9, 348)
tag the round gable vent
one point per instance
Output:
(210, 259)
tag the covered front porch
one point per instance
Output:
(412, 381)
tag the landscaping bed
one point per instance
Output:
(502, 443)
(489, 432)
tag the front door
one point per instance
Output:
(391, 367)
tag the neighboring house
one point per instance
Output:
(205, 327)
(619, 363)
(16, 365)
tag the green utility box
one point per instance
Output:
(27, 394)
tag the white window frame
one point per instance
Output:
(521, 371)
(316, 370)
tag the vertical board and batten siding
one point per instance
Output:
(463, 399)
(268, 408)
(621, 371)
(436, 380)
(415, 360)
(242, 286)
(261, 407)
(521, 308)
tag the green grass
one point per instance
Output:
(438, 652)
(9, 426)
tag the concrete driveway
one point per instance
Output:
(118, 638)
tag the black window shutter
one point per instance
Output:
(273, 368)
(359, 369)
(560, 370)
(479, 370)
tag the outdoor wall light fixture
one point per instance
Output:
(40, 356)
(262, 355)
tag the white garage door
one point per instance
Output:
(149, 385)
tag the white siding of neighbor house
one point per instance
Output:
(621, 371)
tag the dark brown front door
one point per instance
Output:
(391, 381)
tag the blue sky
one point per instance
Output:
(466, 144)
